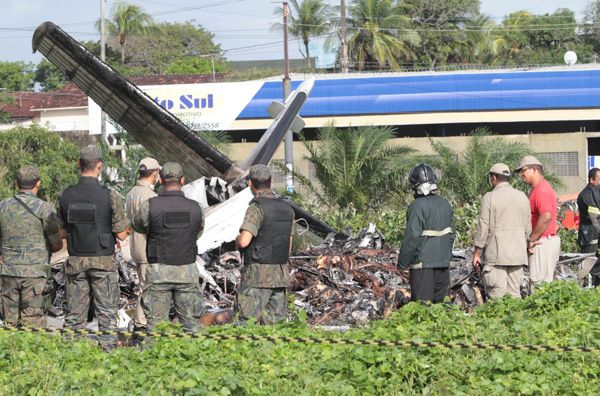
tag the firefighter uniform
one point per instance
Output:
(427, 246)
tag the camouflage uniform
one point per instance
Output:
(164, 283)
(96, 277)
(262, 292)
(25, 273)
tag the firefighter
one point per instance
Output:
(427, 246)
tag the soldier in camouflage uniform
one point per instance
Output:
(29, 232)
(265, 240)
(92, 216)
(172, 224)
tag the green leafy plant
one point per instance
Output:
(559, 314)
(464, 175)
(55, 157)
(358, 166)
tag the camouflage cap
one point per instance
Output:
(171, 170)
(28, 173)
(90, 153)
(259, 172)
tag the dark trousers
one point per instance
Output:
(595, 271)
(589, 248)
(429, 284)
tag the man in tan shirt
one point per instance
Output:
(143, 190)
(501, 238)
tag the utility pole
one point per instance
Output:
(212, 62)
(103, 57)
(343, 33)
(287, 89)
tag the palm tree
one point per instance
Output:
(482, 42)
(308, 19)
(464, 177)
(515, 33)
(381, 36)
(358, 166)
(126, 20)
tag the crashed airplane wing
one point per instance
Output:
(159, 131)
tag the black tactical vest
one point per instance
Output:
(86, 210)
(174, 223)
(272, 244)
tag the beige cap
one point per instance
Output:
(527, 161)
(500, 169)
(148, 163)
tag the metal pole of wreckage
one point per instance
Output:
(287, 89)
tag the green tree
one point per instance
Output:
(440, 25)
(56, 159)
(309, 18)
(543, 39)
(513, 32)
(380, 36)
(4, 100)
(126, 20)
(195, 65)
(590, 28)
(358, 167)
(16, 76)
(482, 42)
(174, 47)
(49, 77)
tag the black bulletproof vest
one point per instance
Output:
(272, 244)
(86, 210)
(174, 223)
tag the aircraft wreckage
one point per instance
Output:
(338, 281)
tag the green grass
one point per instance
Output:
(559, 314)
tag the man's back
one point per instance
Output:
(140, 193)
(504, 225)
(24, 246)
(429, 233)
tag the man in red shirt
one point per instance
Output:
(543, 244)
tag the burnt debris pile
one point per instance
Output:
(342, 282)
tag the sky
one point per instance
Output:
(241, 27)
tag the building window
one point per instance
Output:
(562, 163)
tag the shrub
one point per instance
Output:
(55, 157)
(558, 314)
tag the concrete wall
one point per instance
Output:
(68, 119)
(541, 143)
(14, 124)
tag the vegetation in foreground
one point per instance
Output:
(559, 314)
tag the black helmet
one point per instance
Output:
(421, 174)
